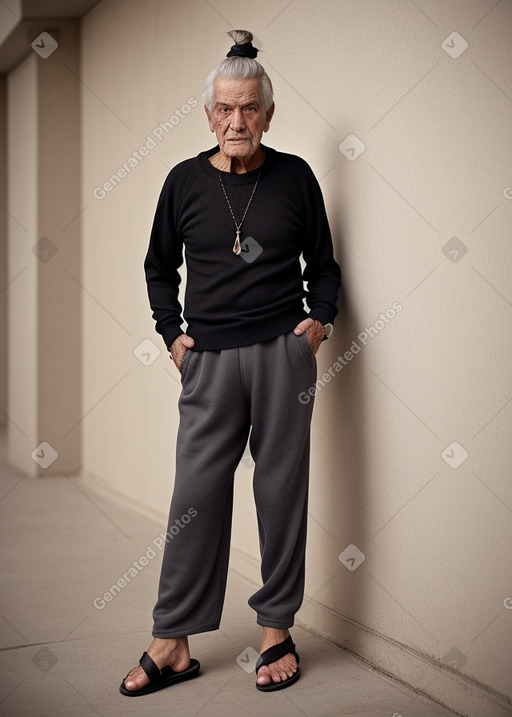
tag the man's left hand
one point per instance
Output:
(314, 330)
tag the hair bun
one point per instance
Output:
(243, 46)
(240, 37)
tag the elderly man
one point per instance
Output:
(244, 214)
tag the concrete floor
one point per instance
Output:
(62, 546)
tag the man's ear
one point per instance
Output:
(270, 114)
(211, 123)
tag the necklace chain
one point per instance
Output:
(236, 246)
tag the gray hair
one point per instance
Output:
(239, 68)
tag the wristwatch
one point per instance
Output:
(328, 328)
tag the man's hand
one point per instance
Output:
(179, 348)
(314, 330)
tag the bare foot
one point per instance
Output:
(173, 652)
(280, 670)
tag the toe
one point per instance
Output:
(278, 675)
(264, 676)
(136, 679)
(283, 669)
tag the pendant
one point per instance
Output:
(236, 245)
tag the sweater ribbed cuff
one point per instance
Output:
(321, 315)
(170, 334)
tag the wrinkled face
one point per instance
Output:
(238, 118)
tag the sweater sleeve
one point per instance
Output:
(322, 273)
(163, 259)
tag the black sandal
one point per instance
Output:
(272, 655)
(158, 679)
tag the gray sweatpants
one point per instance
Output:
(225, 395)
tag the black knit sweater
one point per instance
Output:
(235, 300)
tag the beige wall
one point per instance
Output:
(430, 603)
(22, 271)
(3, 251)
(44, 294)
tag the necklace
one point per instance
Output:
(238, 227)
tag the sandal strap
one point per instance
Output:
(275, 653)
(150, 668)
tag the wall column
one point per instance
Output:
(44, 310)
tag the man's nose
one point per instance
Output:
(237, 119)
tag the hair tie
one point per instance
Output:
(245, 50)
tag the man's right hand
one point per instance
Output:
(179, 348)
